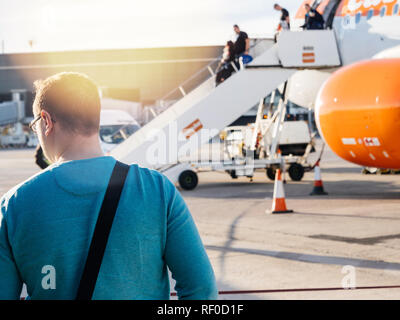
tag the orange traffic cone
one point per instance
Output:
(278, 202)
(279, 152)
(318, 185)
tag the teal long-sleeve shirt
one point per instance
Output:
(47, 223)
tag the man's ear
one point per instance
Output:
(47, 121)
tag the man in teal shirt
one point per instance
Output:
(47, 221)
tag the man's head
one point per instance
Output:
(236, 29)
(277, 7)
(307, 7)
(66, 108)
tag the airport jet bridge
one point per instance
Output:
(199, 115)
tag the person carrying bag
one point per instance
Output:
(89, 227)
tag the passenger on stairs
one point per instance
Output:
(242, 43)
(225, 69)
(284, 23)
(313, 19)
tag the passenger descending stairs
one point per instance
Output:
(202, 113)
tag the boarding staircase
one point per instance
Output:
(10, 112)
(202, 112)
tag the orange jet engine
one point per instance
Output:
(358, 113)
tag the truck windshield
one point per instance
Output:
(117, 133)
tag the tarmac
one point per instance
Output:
(349, 237)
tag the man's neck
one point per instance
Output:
(80, 148)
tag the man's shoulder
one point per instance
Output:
(155, 181)
(150, 175)
(25, 187)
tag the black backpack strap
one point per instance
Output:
(102, 231)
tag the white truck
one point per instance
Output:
(115, 126)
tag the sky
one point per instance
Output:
(62, 25)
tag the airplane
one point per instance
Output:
(336, 71)
(357, 106)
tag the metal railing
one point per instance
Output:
(191, 83)
(205, 74)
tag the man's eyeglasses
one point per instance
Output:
(32, 124)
